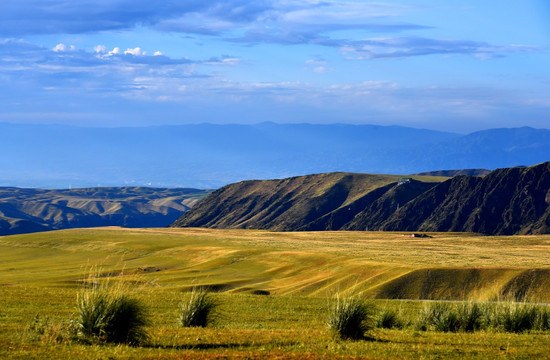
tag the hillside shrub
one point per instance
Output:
(198, 309)
(351, 317)
(109, 314)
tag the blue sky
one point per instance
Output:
(448, 65)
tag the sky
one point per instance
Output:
(452, 65)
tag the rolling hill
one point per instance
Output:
(506, 201)
(384, 265)
(32, 210)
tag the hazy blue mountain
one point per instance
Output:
(209, 156)
(489, 149)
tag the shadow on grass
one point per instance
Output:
(196, 346)
(373, 339)
(369, 338)
(210, 346)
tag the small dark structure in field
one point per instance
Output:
(418, 235)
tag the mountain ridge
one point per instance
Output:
(295, 203)
(504, 202)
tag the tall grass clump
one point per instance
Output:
(451, 317)
(350, 318)
(521, 317)
(471, 316)
(439, 317)
(198, 309)
(388, 319)
(543, 319)
(109, 313)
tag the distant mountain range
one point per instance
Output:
(505, 201)
(33, 210)
(209, 156)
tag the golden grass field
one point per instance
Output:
(41, 273)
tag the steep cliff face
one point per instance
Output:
(506, 201)
(374, 215)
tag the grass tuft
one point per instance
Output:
(198, 309)
(471, 316)
(518, 317)
(389, 319)
(350, 318)
(447, 317)
(109, 314)
(543, 318)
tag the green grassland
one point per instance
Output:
(41, 274)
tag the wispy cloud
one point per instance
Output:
(401, 47)
(333, 12)
(239, 56)
(214, 17)
(19, 17)
(287, 22)
(318, 65)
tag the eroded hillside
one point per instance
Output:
(313, 202)
(504, 202)
(32, 210)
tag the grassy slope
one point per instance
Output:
(446, 266)
(40, 275)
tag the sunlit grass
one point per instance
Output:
(250, 326)
(350, 317)
(314, 264)
(197, 309)
(296, 275)
(111, 314)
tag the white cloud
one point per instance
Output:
(100, 49)
(158, 53)
(63, 48)
(230, 61)
(135, 51)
